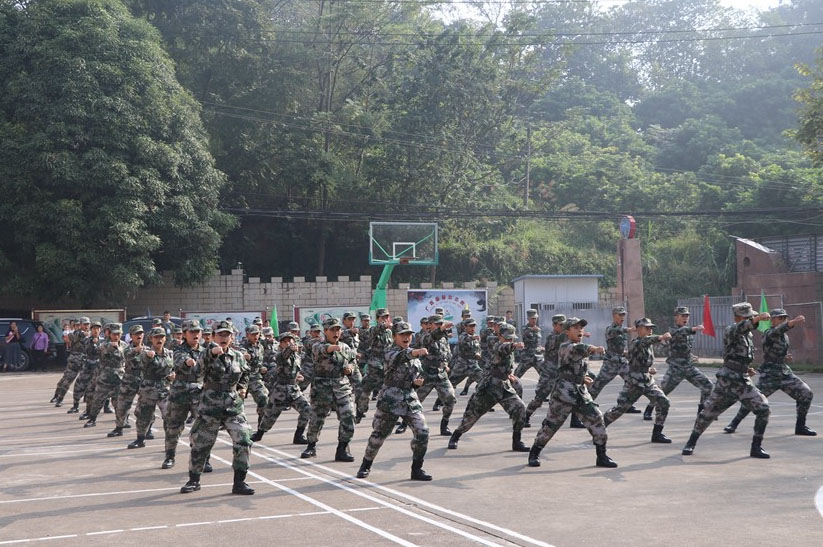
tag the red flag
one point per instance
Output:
(708, 324)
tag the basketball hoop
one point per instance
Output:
(403, 260)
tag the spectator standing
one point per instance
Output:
(13, 346)
(39, 347)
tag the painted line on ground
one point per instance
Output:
(818, 501)
(17, 455)
(121, 492)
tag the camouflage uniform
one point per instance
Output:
(129, 385)
(112, 368)
(614, 362)
(307, 361)
(256, 388)
(548, 373)
(331, 390)
(351, 338)
(435, 375)
(285, 393)
(467, 360)
(74, 364)
(91, 349)
(184, 395)
(682, 365)
(532, 354)
(380, 339)
(154, 388)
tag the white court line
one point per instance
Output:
(143, 491)
(818, 501)
(17, 455)
(105, 532)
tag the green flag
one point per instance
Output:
(274, 323)
(763, 326)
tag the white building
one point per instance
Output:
(555, 293)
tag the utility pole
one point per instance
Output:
(528, 163)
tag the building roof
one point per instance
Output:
(556, 276)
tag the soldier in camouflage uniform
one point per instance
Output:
(75, 360)
(570, 394)
(253, 350)
(424, 328)
(184, 395)
(380, 339)
(175, 340)
(435, 369)
(614, 362)
(91, 351)
(467, 357)
(112, 368)
(285, 392)
(225, 376)
(733, 381)
(496, 387)
(130, 383)
(682, 364)
(548, 372)
(398, 399)
(775, 374)
(157, 364)
(331, 390)
(306, 347)
(640, 379)
(351, 337)
(532, 353)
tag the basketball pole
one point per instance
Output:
(379, 296)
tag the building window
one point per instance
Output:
(583, 305)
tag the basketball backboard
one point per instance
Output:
(407, 243)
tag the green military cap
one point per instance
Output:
(500, 321)
(136, 329)
(84, 320)
(439, 311)
(178, 330)
(681, 310)
(778, 312)
(332, 323)
(192, 325)
(315, 328)
(365, 317)
(465, 313)
(618, 310)
(252, 329)
(558, 318)
(116, 328)
(221, 326)
(424, 320)
(644, 322)
(574, 321)
(157, 331)
(469, 322)
(286, 335)
(349, 315)
(436, 318)
(382, 312)
(531, 313)
(207, 330)
(491, 319)
(743, 309)
(396, 319)
(156, 321)
(507, 331)
(257, 321)
(96, 324)
(267, 331)
(293, 325)
(401, 327)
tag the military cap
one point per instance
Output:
(574, 321)
(778, 312)
(268, 331)
(491, 319)
(531, 313)
(207, 330)
(396, 319)
(439, 311)
(257, 321)
(221, 326)
(293, 325)
(96, 324)
(558, 318)
(349, 315)
(469, 322)
(644, 322)
(743, 309)
(286, 335)
(116, 328)
(382, 312)
(157, 331)
(681, 310)
(436, 319)
(315, 328)
(465, 313)
(84, 320)
(332, 323)
(156, 321)
(501, 321)
(507, 331)
(252, 329)
(401, 327)
(365, 316)
(618, 310)
(178, 330)
(136, 329)
(424, 320)
(192, 325)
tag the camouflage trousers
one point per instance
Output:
(148, 399)
(102, 391)
(630, 393)
(373, 380)
(283, 397)
(527, 362)
(73, 368)
(560, 406)
(307, 371)
(490, 392)
(331, 394)
(730, 388)
(789, 384)
(684, 369)
(610, 368)
(129, 386)
(383, 424)
(464, 368)
(174, 420)
(356, 379)
(204, 435)
(257, 389)
(445, 393)
(545, 384)
(85, 380)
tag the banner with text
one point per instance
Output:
(306, 317)
(423, 302)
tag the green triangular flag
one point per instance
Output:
(274, 323)
(763, 326)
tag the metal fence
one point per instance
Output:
(597, 314)
(721, 310)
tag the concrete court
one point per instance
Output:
(73, 486)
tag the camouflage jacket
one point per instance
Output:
(491, 342)
(255, 351)
(572, 368)
(351, 337)
(616, 341)
(380, 340)
(502, 363)
(531, 340)
(364, 344)
(286, 367)
(437, 342)
(399, 395)
(553, 342)
(76, 344)
(641, 359)
(113, 361)
(776, 348)
(468, 347)
(184, 375)
(680, 346)
(738, 346)
(222, 376)
(156, 369)
(270, 350)
(332, 365)
(133, 367)
(418, 338)
(91, 348)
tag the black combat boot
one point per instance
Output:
(633, 410)
(534, 456)
(343, 454)
(207, 468)
(658, 436)
(58, 403)
(299, 437)
(401, 428)
(801, 429)
(444, 427)
(603, 460)
(757, 450)
(126, 423)
(107, 407)
(168, 463)
(465, 390)
(732, 427)
(310, 451)
(240, 487)
(454, 439)
(83, 416)
(116, 432)
(365, 467)
(91, 423)
(149, 434)
(438, 404)
(138, 443)
(575, 422)
(257, 436)
(359, 417)
(417, 473)
(688, 450)
(56, 396)
(647, 414)
(193, 485)
(528, 422)
(75, 408)
(517, 444)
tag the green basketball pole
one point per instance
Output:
(379, 297)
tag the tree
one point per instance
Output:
(810, 132)
(105, 172)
